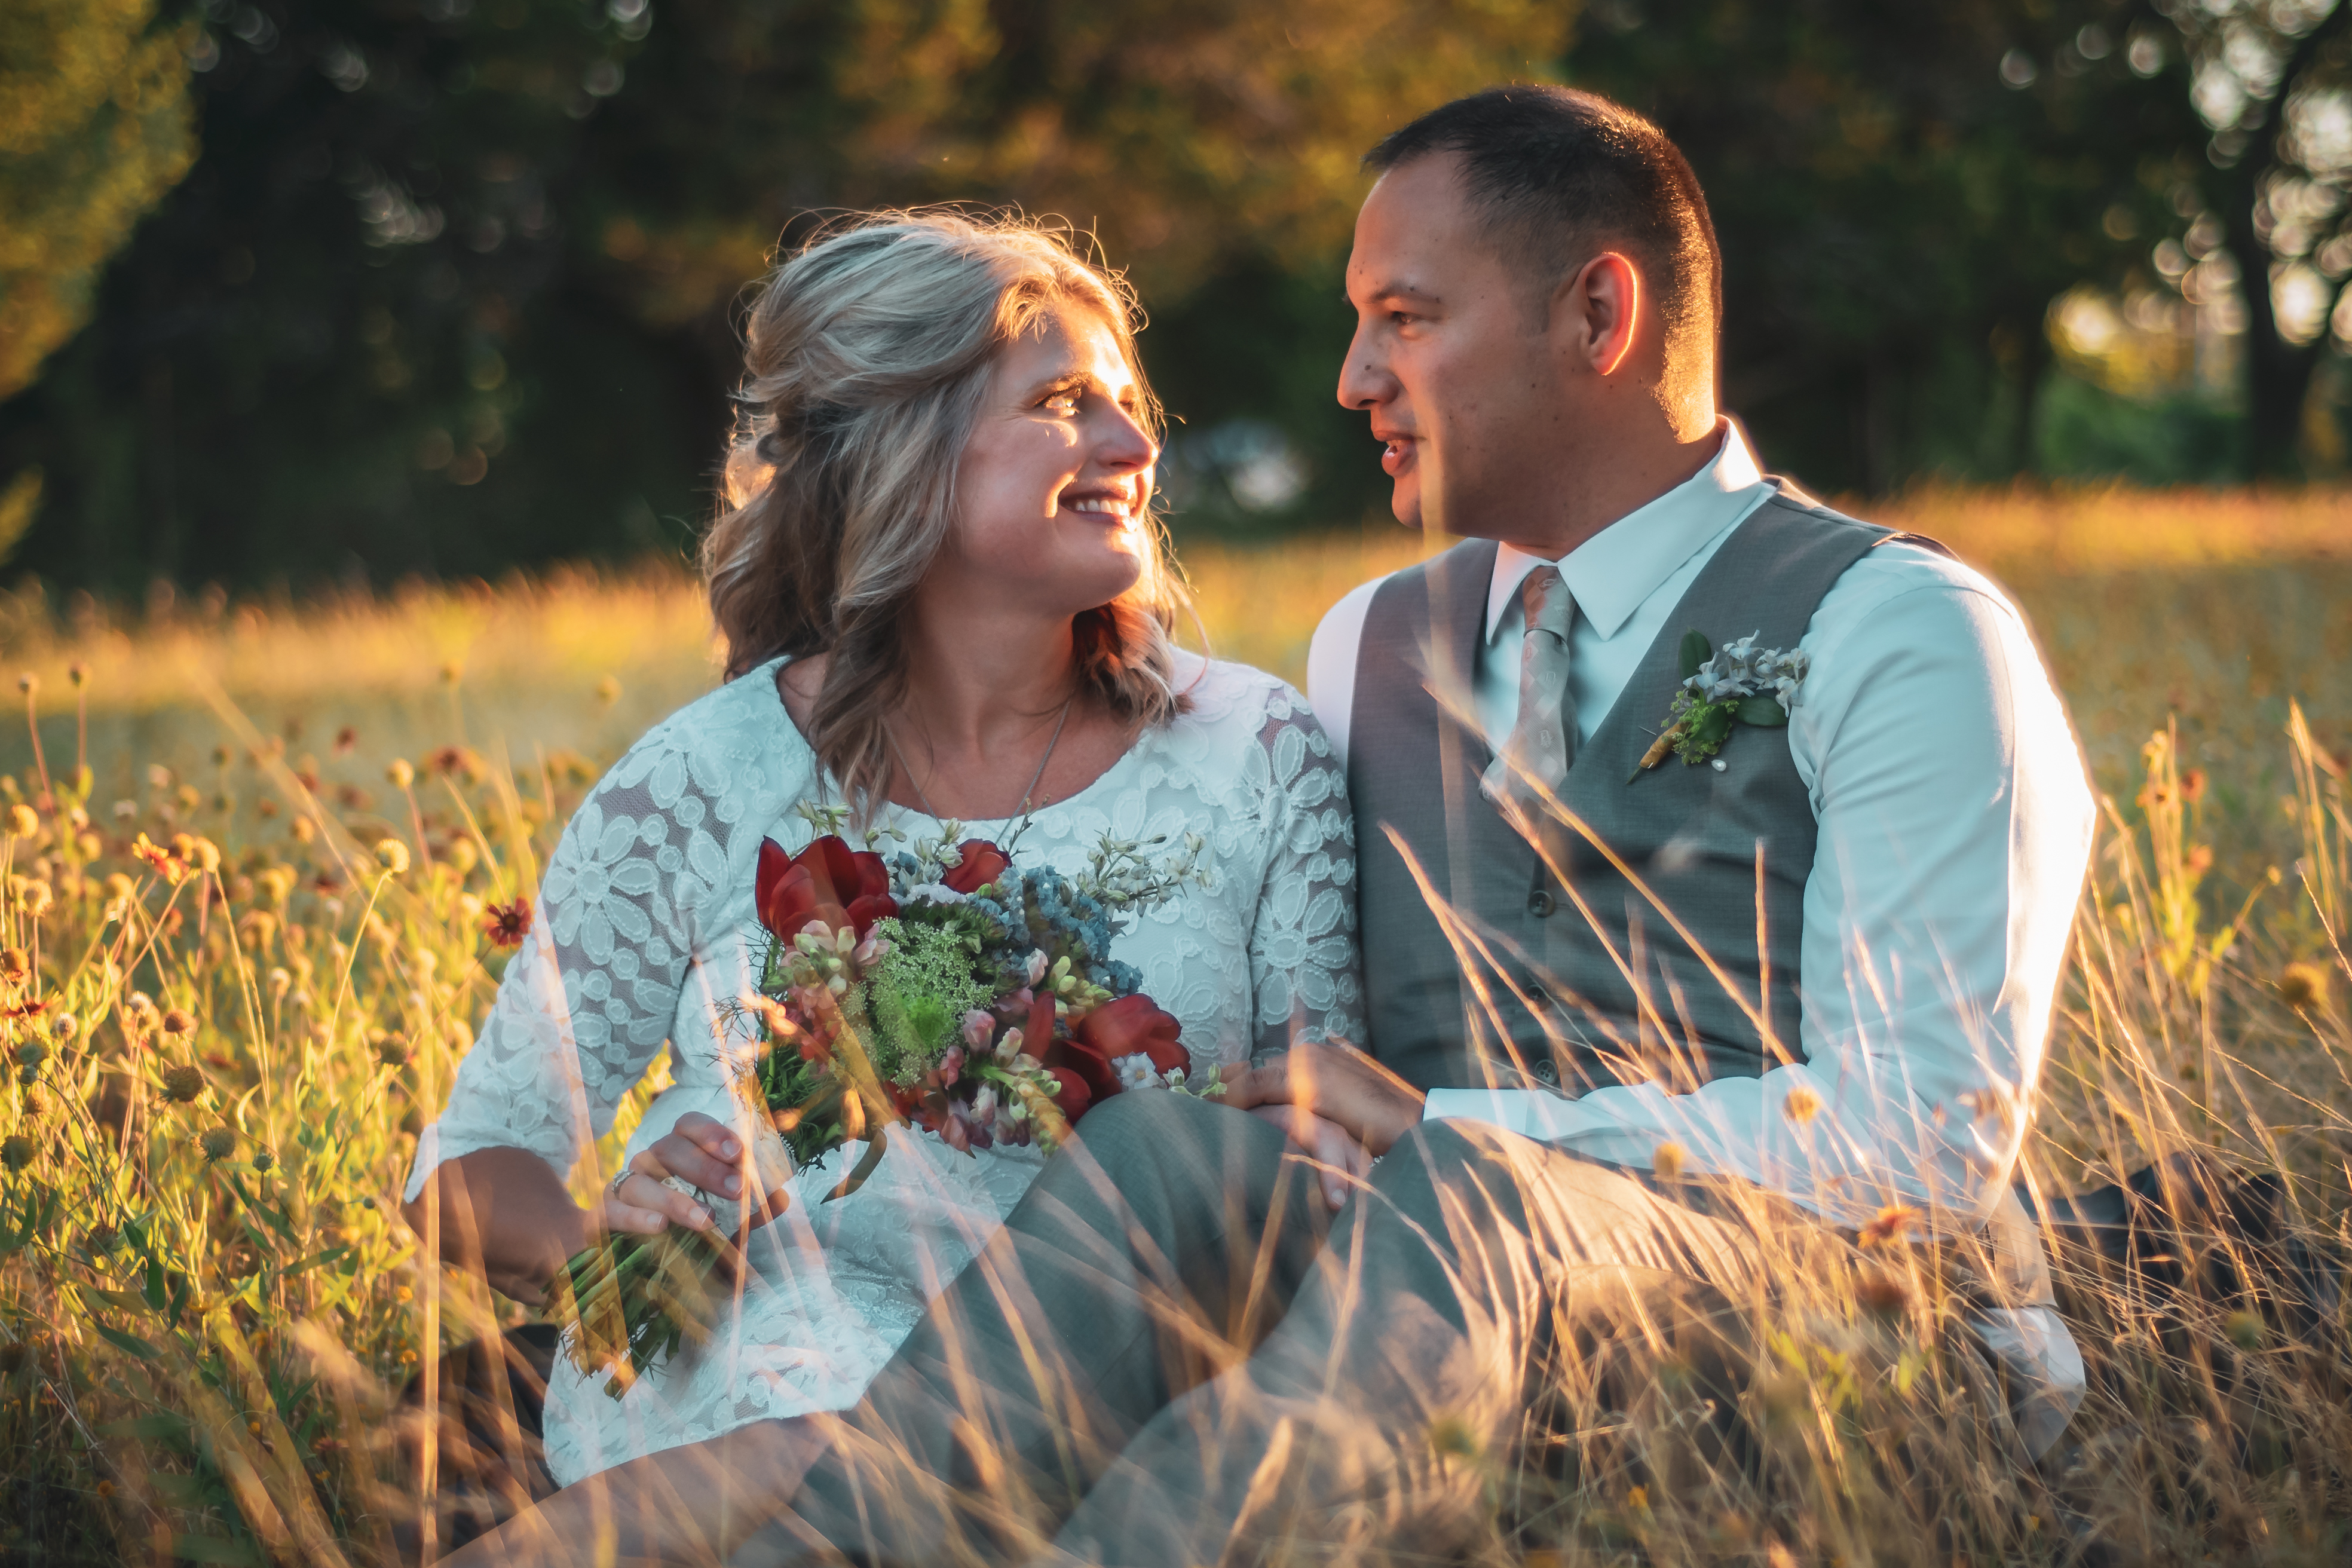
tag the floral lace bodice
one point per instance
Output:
(645, 932)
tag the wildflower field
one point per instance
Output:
(260, 857)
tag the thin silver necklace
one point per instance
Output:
(1027, 796)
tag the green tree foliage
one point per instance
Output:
(2274, 82)
(95, 125)
(450, 286)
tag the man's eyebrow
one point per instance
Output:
(1402, 291)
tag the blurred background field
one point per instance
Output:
(2216, 607)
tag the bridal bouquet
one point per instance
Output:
(940, 988)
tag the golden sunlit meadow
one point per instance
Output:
(242, 946)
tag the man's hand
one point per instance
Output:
(1345, 1162)
(1337, 1084)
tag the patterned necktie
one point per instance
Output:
(1543, 736)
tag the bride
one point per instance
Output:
(943, 600)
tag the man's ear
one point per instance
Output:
(1596, 312)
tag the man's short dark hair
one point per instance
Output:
(1559, 175)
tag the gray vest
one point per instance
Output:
(1577, 961)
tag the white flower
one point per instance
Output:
(1135, 1071)
(1739, 668)
(1036, 967)
(933, 893)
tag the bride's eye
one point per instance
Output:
(1064, 402)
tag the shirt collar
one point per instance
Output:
(1613, 571)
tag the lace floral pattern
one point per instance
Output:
(645, 929)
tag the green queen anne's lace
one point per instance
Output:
(917, 994)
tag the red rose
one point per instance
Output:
(1132, 1024)
(1072, 1058)
(983, 863)
(827, 882)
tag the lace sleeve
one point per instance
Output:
(587, 1001)
(1304, 966)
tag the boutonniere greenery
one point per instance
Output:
(1738, 683)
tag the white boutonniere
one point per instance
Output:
(1738, 683)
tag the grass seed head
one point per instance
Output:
(16, 1151)
(2304, 984)
(183, 1084)
(16, 966)
(393, 854)
(218, 1143)
(179, 1023)
(1883, 1294)
(24, 822)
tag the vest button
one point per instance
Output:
(1547, 1072)
(1536, 997)
(1539, 903)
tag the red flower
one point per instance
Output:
(1129, 1026)
(507, 924)
(828, 881)
(1131, 1023)
(983, 863)
(1076, 1095)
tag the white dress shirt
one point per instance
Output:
(1954, 827)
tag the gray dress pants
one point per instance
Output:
(1159, 1360)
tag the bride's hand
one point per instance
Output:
(1345, 1162)
(700, 1150)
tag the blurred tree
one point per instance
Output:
(2273, 80)
(95, 125)
(449, 287)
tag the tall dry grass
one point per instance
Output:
(208, 1310)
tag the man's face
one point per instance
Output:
(1451, 358)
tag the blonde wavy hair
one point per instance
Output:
(866, 360)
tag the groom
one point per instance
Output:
(1646, 1035)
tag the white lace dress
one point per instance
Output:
(645, 929)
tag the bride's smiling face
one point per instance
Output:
(1053, 484)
